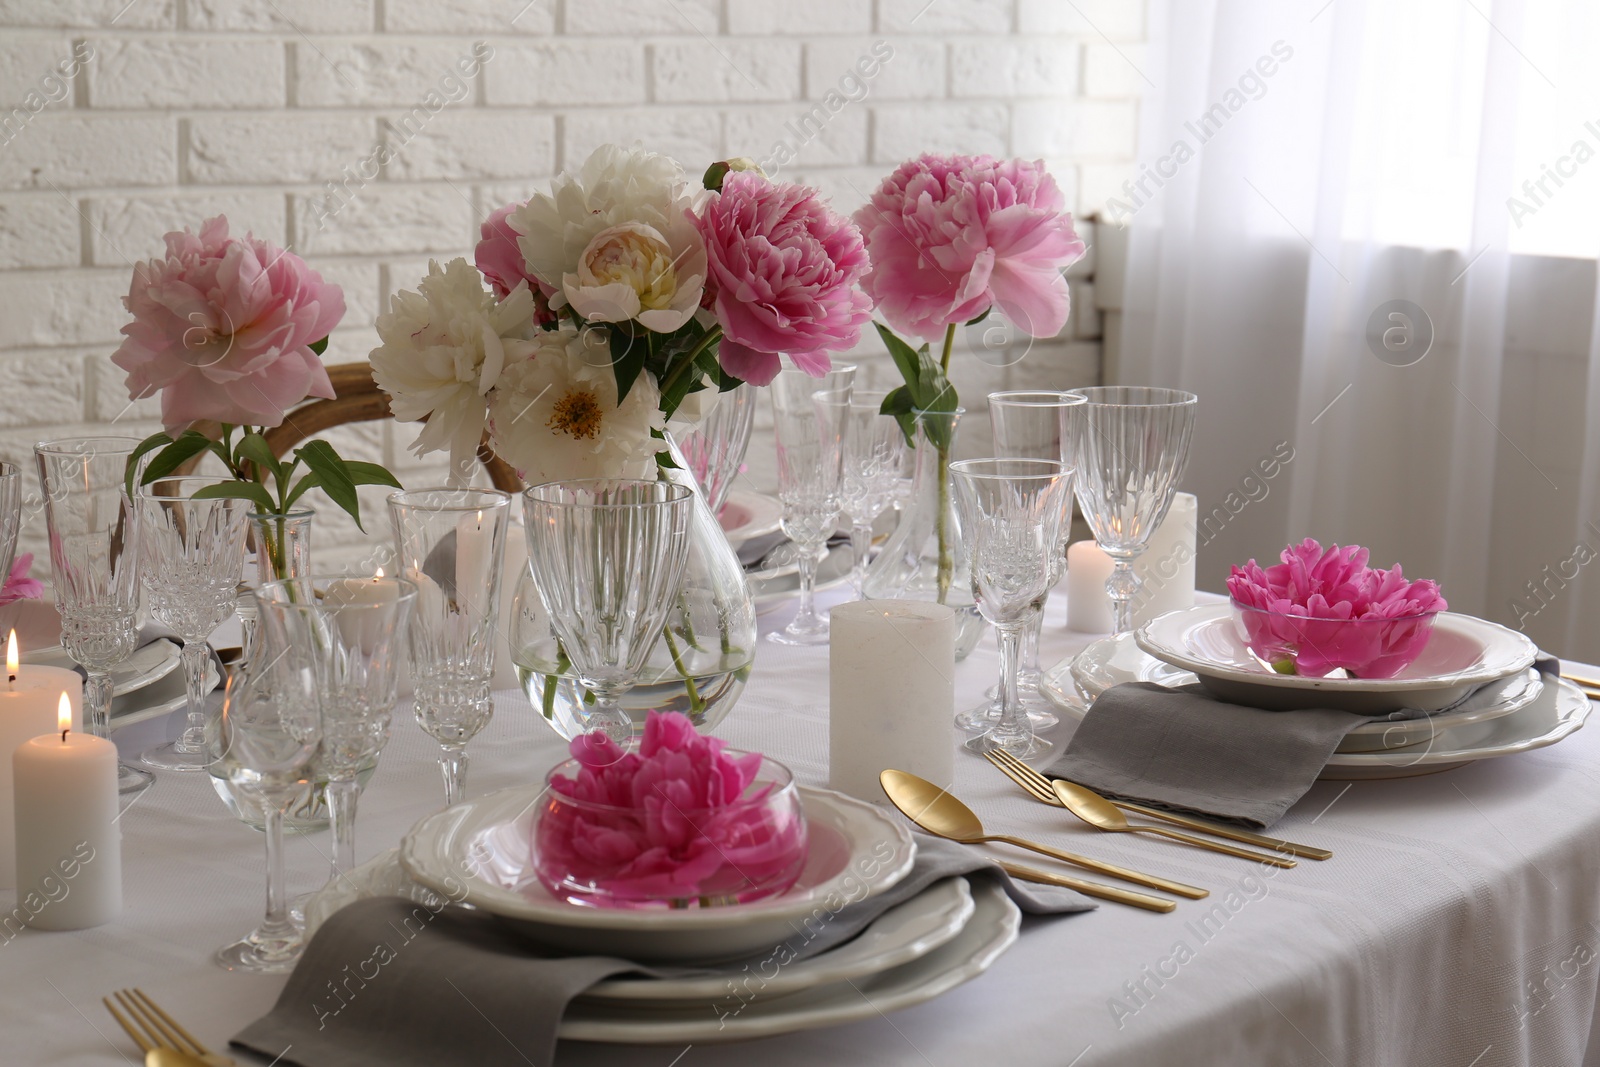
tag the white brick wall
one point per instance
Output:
(251, 107)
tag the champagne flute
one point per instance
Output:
(810, 437)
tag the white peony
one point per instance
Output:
(444, 348)
(616, 242)
(555, 417)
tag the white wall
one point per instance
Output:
(252, 107)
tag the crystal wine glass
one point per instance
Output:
(716, 446)
(1031, 424)
(94, 568)
(265, 744)
(607, 556)
(191, 552)
(452, 544)
(356, 627)
(1133, 447)
(874, 450)
(810, 439)
(1013, 510)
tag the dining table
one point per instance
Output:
(1456, 925)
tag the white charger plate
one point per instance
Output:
(991, 930)
(745, 515)
(478, 852)
(1463, 652)
(162, 697)
(1115, 660)
(145, 666)
(898, 936)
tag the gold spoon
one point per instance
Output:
(171, 1057)
(1100, 813)
(941, 814)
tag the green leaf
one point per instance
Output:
(189, 444)
(714, 175)
(333, 476)
(628, 354)
(301, 488)
(148, 445)
(906, 358)
(898, 403)
(979, 318)
(319, 347)
(254, 448)
(253, 491)
(370, 474)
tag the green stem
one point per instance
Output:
(942, 468)
(707, 339)
(697, 703)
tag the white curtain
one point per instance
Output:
(1323, 187)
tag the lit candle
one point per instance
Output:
(1088, 604)
(27, 709)
(891, 672)
(362, 628)
(472, 560)
(69, 848)
(1165, 569)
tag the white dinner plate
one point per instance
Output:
(1559, 711)
(1107, 662)
(1462, 653)
(478, 852)
(146, 665)
(903, 933)
(992, 929)
(745, 515)
(161, 697)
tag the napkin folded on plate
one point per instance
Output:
(380, 987)
(1182, 748)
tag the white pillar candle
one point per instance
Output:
(891, 671)
(362, 628)
(69, 848)
(1088, 604)
(472, 558)
(1165, 569)
(29, 695)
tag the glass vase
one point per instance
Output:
(701, 662)
(282, 544)
(927, 557)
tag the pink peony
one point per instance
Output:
(222, 328)
(1320, 610)
(953, 236)
(500, 260)
(18, 586)
(783, 268)
(673, 821)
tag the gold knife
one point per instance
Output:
(1090, 889)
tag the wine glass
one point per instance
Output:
(1031, 424)
(356, 627)
(1133, 447)
(191, 554)
(716, 447)
(94, 568)
(810, 438)
(452, 546)
(265, 743)
(874, 450)
(1013, 510)
(607, 556)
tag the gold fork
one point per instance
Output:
(1039, 787)
(152, 1029)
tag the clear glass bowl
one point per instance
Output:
(663, 856)
(1315, 648)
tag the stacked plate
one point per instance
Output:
(737, 960)
(146, 685)
(1471, 695)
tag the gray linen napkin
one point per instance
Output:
(387, 982)
(1183, 749)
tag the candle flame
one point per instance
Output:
(63, 715)
(378, 574)
(13, 660)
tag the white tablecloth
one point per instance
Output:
(1456, 926)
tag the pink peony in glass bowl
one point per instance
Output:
(682, 822)
(1322, 610)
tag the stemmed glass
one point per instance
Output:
(265, 743)
(1013, 510)
(94, 567)
(191, 552)
(716, 447)
(1032, 424)
(452, 545)
(607, 557)
(356, 627)
(1133, 447)
(810, 438)
(874, 450)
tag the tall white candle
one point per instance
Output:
(472, 558)
(1088, 605)
(1165, 569)
(891, 672)
(29, 694)
(69, 848)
